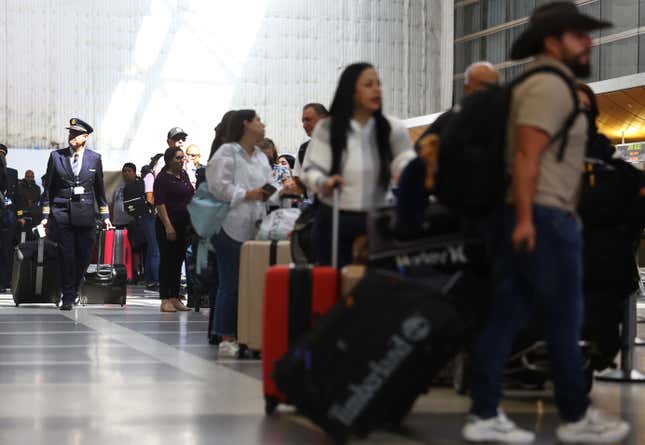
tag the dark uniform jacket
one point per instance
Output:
(8, 188)
(68, 205)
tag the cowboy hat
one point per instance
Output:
(551, 19)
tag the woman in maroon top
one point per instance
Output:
(172, 192)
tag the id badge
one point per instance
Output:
(79, 190)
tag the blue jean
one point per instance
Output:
(548, 280)
(151, 263)
(227, 251)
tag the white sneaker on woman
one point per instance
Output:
(497, 429)
(228, 349)
(594, 427)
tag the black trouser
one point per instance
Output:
(352, 225)
(171, 255)
(75, 250)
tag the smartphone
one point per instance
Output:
(269, 190)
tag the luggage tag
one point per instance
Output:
(79, 190)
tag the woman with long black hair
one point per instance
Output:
(359, 150)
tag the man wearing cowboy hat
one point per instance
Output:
(75, 183)
(536, 240)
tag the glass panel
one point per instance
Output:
(503, 75)
(622, 13)
(641, 54)
(495, 12)
(595, 65)
(618, 58)
(457, 90)
(520, 8)
(459, 22)
(495, 45)
(460, 63)
(592, 9)
(515, 71)
(472, 18)
(466, 53)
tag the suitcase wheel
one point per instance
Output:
(17, 304)
(270, 404)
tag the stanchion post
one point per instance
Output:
(626, 372)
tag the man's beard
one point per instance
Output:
(580, 69)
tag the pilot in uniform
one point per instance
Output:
(75, 180)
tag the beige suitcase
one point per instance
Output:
(255, 258)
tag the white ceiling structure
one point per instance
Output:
(135, 68)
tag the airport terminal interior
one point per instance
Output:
(107, 374)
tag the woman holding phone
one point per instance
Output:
(238, 173)
(357, 149)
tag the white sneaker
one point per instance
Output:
(228, 349)
(594, 427)
(497, 429)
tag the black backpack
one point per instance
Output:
(134, 199)
(471, 178)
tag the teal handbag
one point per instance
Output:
(207, 213)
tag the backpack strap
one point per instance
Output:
(563, 133)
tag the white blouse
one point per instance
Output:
(230, 173)
(360, 164)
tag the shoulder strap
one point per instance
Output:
(563, 133)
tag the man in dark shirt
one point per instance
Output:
(29, 194)
(417, 179)
(9, 212)
(311, 114)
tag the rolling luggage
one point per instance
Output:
(105, 282)
(36, 273)
(365, 363)
(255, 259)
(295, 297)
(117, 249)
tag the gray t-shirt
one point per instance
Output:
(544, 101)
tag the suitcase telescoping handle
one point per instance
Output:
(335, 226)
(101, 252)
(40, 264)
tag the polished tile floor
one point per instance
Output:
(111, 375)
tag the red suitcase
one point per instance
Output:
(117, 241)
(294, 297)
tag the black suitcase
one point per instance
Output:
(36, 273)
(104, 283)
(366, 361)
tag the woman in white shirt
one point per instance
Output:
(236, 174)
(360, 150)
